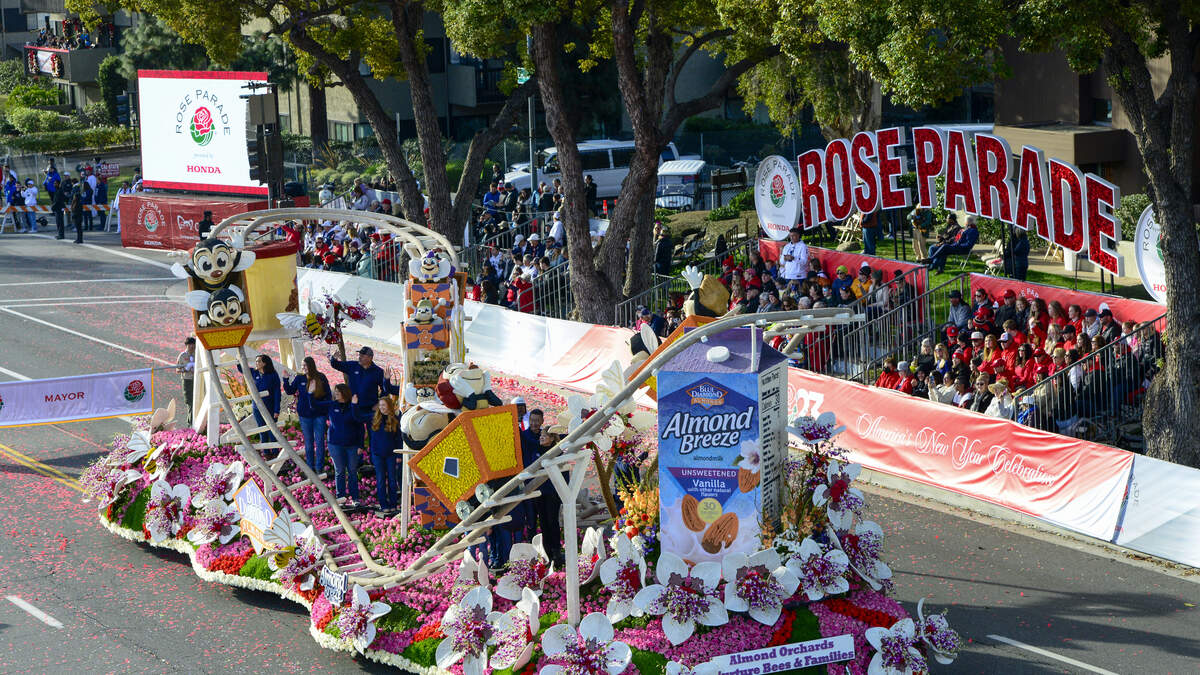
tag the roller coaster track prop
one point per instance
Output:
(570, 455)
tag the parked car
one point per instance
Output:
(606, 161)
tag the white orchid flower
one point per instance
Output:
(473, 571)
(470, 626)
(894, 650)
(942, 640)
(591, 556)
(862, 548)
(109, 489)
(516, 632)
(165, 510)
(528, 567)
(841, 501)
(820, 572)
(685, 597)
(592, 643)
(216, 522)
(816, 430)
(298, 566)
(675, 668)
(573, 415)
(138, 446)
(757, 584)
(623, 576)
(222, 480)
(357, 622)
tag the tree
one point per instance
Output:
(925, 53)
(649, 43)
(112, 84)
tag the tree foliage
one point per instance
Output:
(112, 83)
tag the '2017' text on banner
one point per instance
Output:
(76, 398)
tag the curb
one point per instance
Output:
(978, 510)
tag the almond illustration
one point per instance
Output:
(747, 480)
(720, 534)
(689, 507)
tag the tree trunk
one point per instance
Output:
(1164, 129)
(481, 144)
(318, 117)
(381, 123)
(406, 20)
(596, 296)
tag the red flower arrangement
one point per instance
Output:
(429, 631)
(230, 564)
(783, 634)
(871, 617)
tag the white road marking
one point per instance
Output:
(89, 303)
(123, 254)
(1051, 655)
(85, 336)
(84, 297)
(88, 281)
(34, 612)
(13, 373)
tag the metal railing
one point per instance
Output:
(857, 352)
(1099, 396)
(552, 295)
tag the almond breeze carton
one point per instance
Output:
(721, 445)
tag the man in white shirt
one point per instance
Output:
(30, 193)
(794, 257)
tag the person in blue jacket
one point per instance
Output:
(311, 390)
(266, 380)
(385, 438)
(345, 441)
(366, 380)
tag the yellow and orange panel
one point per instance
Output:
(476, 447)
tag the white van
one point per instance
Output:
(607, 162)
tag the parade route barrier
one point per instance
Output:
(76, 398)
(1092, 489)
(8, 214)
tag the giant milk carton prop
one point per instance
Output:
(721, 445)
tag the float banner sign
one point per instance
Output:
(787, 658)
(76, 398)
(257, 513)
(776, 197)
(334, 584)
(721, 446)
(171, 222)
(1067, 481)
(194, 125)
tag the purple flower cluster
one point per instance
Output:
(352, 621)
(758, 587)
(937, 631)
(301, 563)
(817, 571)
(627, 583)
(896, 653)
(585, 657)
(685, 598)
(528, 572)
(471, 631)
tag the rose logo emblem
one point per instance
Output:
(202, 126)
(134, 391)
(777, 190)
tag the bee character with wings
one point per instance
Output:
(223, 307)
(212, 262)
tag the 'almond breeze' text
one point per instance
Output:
(708, 431)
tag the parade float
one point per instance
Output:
(697, 542)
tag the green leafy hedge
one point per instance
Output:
(727, 212)
(30, 121)
(98, 138)
(29, 95)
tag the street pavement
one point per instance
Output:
(1026, 601)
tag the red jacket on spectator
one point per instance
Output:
(1010, 356)
(888, 379)
(1037, 337)
(520, 291)
(818, 351)
(906, 384)
(1026, 375)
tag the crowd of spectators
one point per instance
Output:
(74, 34)
(991, 354)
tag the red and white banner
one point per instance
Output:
(150, 220)
(77, 398)
(1066, 481)
(830, 259)
(1123, 309)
